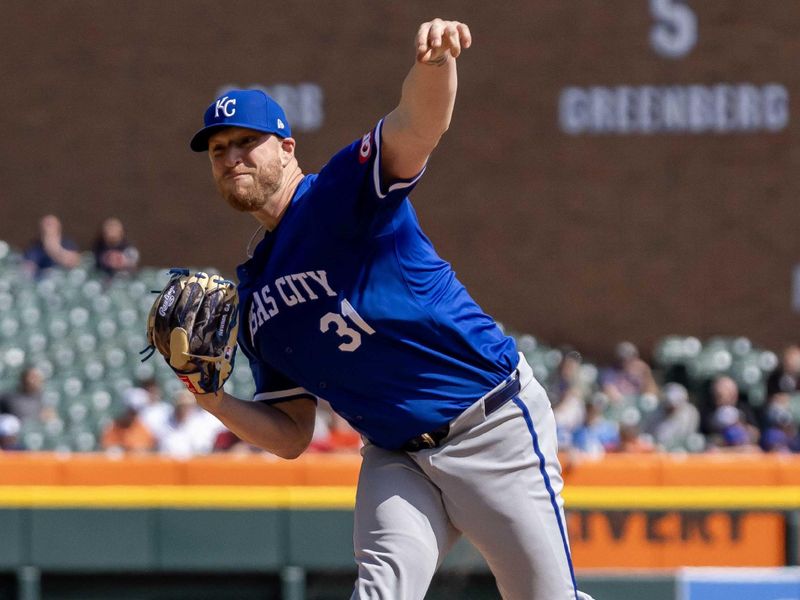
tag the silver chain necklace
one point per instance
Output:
(249, 251)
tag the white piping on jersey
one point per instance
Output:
(376, 169)
(281, 394)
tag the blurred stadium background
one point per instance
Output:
(614, 172)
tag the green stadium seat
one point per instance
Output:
(35, 341)
(746, 372)
(144, 303)
(91, 289)
(767, 360)
(13, 355)
(62, 354)
(53, 430)
(119, 384)
(30, 317)
(737, 345)
(794, 406)
(526, 343)
(134, 341)
(85, 342)
(94, 370)
(79, 318)
(32, 439)
(614, 410)
(695, 443)
(76, 277)
(101, 304)
(128, 318)
(76, 411)
(57, 325)
(712, 361)
(6, 301)
(115, 357)
(647, 403)
(172, 386)
(137, 289)
(589, 374)
(673, 350)
(71, 387)
(9, 327)
(106, 328)
(669, 351)
(44, 364)
(630, 415)
(756, 395)
(144, 370)
(82, 440)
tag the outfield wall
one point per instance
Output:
(249, 519)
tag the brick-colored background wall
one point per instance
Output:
(582, 239)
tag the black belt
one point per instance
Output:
(491, 403)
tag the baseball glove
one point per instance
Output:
(193, 324)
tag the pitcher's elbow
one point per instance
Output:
(293, 453)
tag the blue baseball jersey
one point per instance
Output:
(347, 300)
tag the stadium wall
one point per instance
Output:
(84, 525)
(608, 174)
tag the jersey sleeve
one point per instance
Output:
(352, 186)
(273, 386)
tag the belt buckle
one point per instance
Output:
(427, 440)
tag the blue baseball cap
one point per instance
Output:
(252, 109)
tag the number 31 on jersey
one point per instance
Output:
(336, 322)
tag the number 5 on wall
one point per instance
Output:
(674, 32)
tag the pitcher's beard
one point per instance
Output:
(250, 201)
(265, 183)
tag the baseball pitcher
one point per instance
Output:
(345, 299)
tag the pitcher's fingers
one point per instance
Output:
(435, 33)
(466, 35)
(422, 39)
(453, 41)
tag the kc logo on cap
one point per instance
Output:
(224, 104)
(250, 109)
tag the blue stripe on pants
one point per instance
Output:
(549, 487)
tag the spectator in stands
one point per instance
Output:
(191, 430)
(112, 251)
(568, 394)
(724, 393)
(731, 431)
(730, 424)
(9, 433)
(156, 412)
(26, 403)
(51, 249)
(675, 420)
(786, 377)
(127, 432)
(632, 440)
(629, 377)
(780, 429)
(598, 434)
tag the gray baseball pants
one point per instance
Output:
(494, 479)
